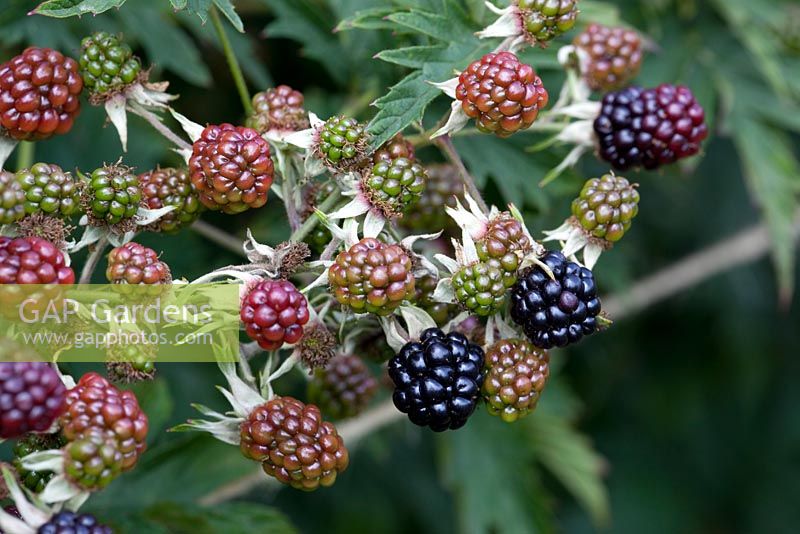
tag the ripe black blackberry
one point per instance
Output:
(437, 379)
(555, 312)
(649, 128)
(70, 522)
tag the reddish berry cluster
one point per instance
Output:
(501, 94)
(274, 313)
(32, 260)
(39, 94)
(231, 168)
(31, 398)
(133, 263)
(106, 430)
(293, 443)
(280, 108)
(614, 56)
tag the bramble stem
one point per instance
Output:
(92, 260)
(233, 63)
(155, 121)
(311, 222)
(25, 151)
(446, 145)
(221, 238)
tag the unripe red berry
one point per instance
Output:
(274, 313)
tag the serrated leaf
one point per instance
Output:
(233, 518)
(489, 457)
(73, 8)
(402, 105)
(415, 57)
(368, 19)
(773, 175)
(226, 8)
(569, 456)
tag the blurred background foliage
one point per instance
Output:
(687, 411)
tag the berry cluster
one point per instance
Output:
(32, 260)
(112, 195)
(274, 313)
(372, 277)
(438, 379)
(31, 398)
(105, 429)
(280, 108)
(341, 143)
(49, 190)
(516, 373)
(293, 444)
(171, 187)
(231, 168)
(107, 64)
(12, 199)
(606, 207)
(614, 56)
(649, 128)
(501, 94)
(555, 311)
(39, 94)
(544, 20)
(343, 388)
(133, 263)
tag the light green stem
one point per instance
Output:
(233, 63)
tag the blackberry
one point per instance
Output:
(108, 65)
(396, 147)
(649, 128)
(280, 108)
(107, 423)
(343, 388)
(39, 94)
(12, 199)
(133, 263)
(341, 143)
(35, 480)
(273, 313)
(544, 20)
(231, 168)
(615, 56)
(555, 312)
(293, 444)
(372, 277)
(438, 379)
(73, 523)
(606, 207)
(481, 288)
(392, 185)
(424, 288)
(112, 196)
(171, 187)
(501, 94)
(31, 398)
(32, 260)
(516, 373)
(49, 190)
(443, 186)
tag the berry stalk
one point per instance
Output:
(93, 260)
(233, 63)
(25, 152)
(156, 123)
(445, 144)
(312, 221)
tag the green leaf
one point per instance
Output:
(488, 458)
(415, 57)
(227, 9)
(233, 518)
(72, 8)
(773, 175)
(403, 104)
(367, 19)
(156, 401)
(569, 456)
(744, 18)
